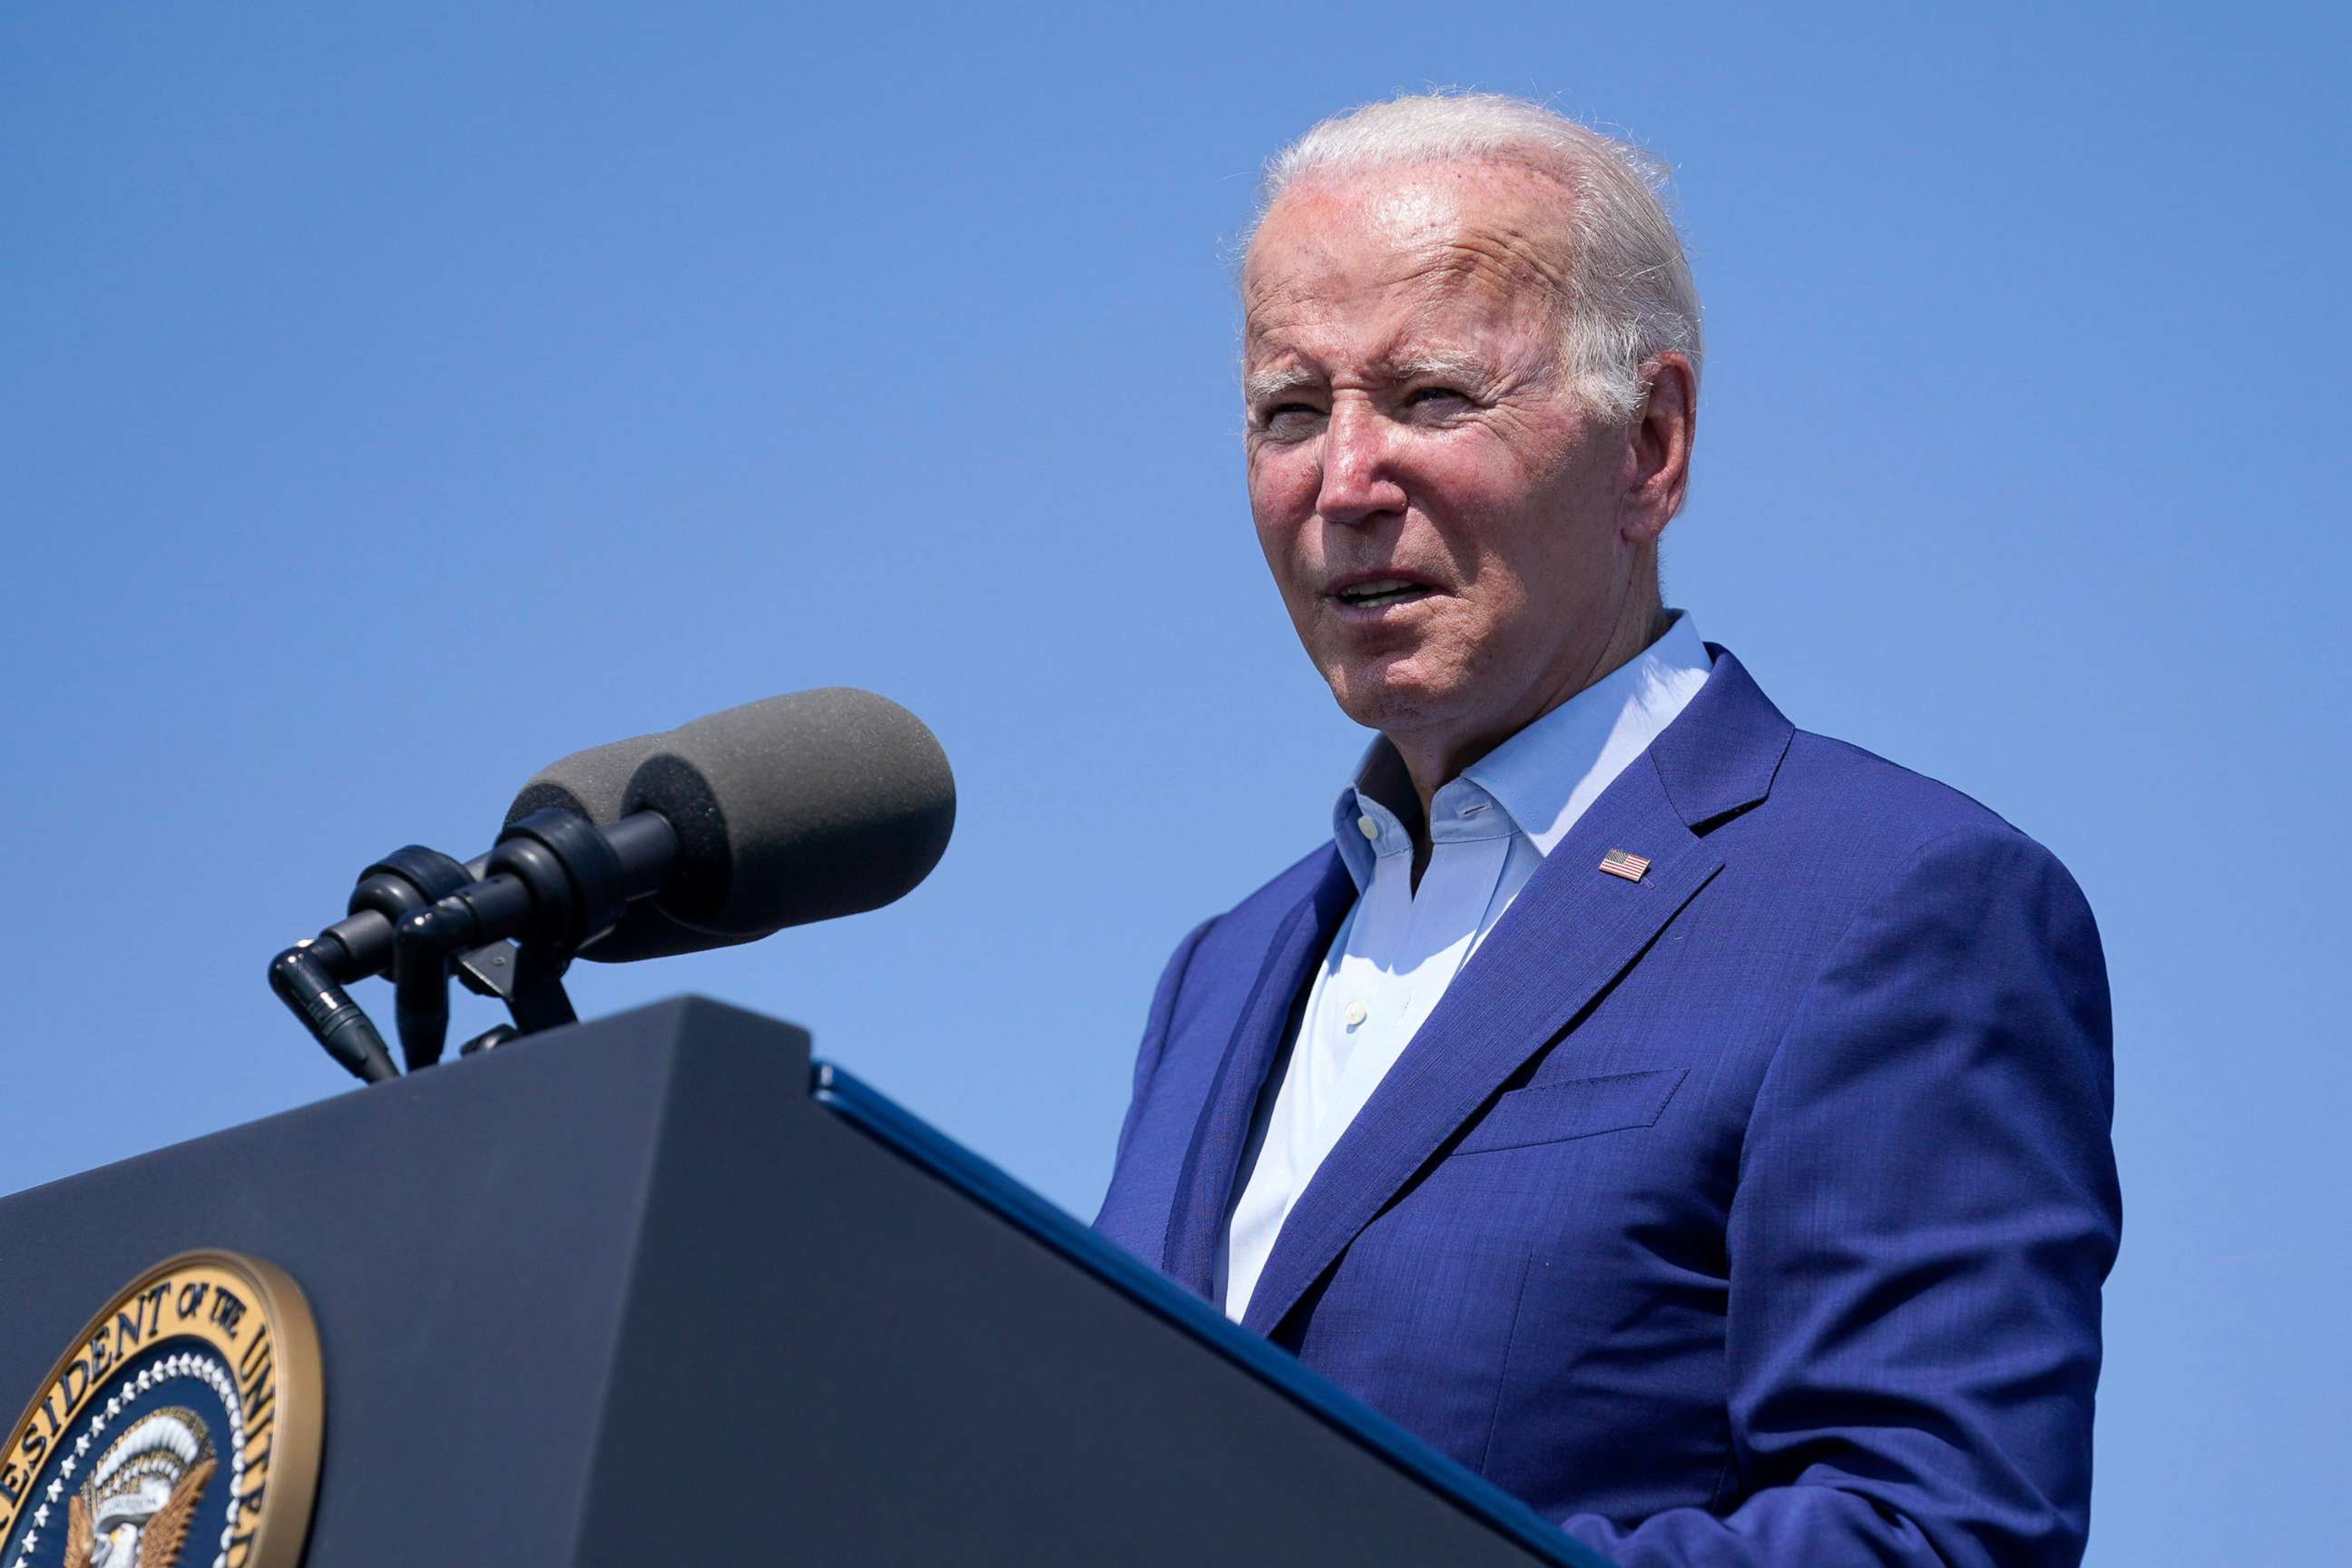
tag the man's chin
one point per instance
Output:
(1392, 702)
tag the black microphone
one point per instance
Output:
(802, 807)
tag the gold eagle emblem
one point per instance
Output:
(136, 1509)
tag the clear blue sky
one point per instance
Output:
(393, 398)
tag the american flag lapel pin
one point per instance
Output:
(1617, 863)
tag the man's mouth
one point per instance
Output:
(1379, 593)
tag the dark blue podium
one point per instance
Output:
(654, 1290)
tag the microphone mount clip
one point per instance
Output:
(507, 925)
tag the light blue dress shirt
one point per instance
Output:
(1400, 946)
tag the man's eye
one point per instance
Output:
(1290, 418)
(1436, 399)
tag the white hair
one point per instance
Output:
(1628, 295)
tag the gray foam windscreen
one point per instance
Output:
(802, 807)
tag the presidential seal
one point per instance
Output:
(180, 1429)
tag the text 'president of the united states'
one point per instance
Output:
(1697, 1126)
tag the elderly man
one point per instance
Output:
(1697, 1126)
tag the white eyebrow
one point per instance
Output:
(1267, 385)
(1466, 369)
(1461, 368)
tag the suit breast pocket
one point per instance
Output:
(1579, 1108)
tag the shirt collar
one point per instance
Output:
(1544, 777)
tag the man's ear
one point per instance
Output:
(1661, 447)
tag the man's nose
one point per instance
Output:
(1360, 483)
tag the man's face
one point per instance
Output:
(1445, 522)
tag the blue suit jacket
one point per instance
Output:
(1755, 1212)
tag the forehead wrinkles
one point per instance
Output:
(1505, 261)
(1450, 314)
(1429, 267)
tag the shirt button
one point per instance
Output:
(1368, 827)
(1357, 1014)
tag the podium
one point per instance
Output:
(655, 1289)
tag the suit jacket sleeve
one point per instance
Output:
(1926, 1208)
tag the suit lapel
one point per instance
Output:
(1571, 930)
(1205, 1186)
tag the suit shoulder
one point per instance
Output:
(1238, 937)
(1869, 826)
(1867, 870)
(1281, 892)
(1871, 803)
